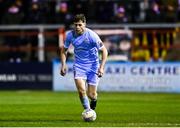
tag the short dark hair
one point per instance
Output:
(79, 17)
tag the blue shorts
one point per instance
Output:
(88, 74)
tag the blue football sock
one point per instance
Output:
(85, 102)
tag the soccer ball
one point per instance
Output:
(89, 115)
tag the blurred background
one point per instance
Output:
(31, 32)
(23, 20)
(141, 83)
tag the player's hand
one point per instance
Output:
(100, 71)
(63, 70)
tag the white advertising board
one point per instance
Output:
(127, 77)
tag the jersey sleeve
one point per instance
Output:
(96, 39)
(67, 41)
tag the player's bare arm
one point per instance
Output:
(103, 61)
(63, 55)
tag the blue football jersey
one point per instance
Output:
(86, 46)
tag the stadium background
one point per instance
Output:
(32, 32)
(143, 41)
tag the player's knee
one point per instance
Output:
(82, 92)
(92, 95)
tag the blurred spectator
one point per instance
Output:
(154, 13)
(144, 5)
(14, 15)
(62, 14)
(2, 9)
(17, 12)
(171, 7)
(133, 11)
(124, 11)
(91, 14)
(178, 11)
(104, 12)
(35, 15)
(120, 16)
(77, 6)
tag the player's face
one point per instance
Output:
(79, 27)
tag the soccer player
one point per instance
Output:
(87, 65)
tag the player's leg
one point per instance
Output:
(92, 80)
(92, 94)
(81, 87)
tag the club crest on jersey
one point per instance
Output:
(86, 40)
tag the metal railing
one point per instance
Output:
(41, 28)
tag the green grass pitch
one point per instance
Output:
(63, 109)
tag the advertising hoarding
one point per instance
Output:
(127, 76)
(31, 75)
